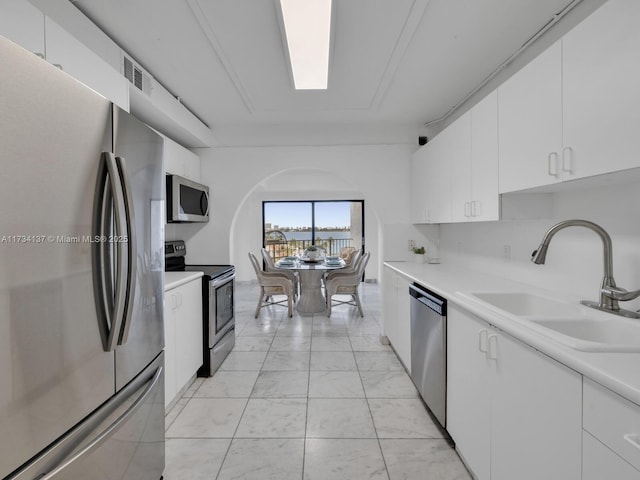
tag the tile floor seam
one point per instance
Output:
(232, 438)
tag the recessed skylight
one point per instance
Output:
(307, 25)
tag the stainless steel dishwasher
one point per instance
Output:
(429, 349)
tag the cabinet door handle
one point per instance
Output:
(567, 160)
(552, 164)
(475, 208)
(632, 438)
(482, 341)
(492, 347)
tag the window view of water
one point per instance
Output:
(291, 227)
(339, 234)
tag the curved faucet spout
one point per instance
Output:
(608, 300)
(539, 256)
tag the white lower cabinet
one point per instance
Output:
(512, 411)
(183, 336)
(612, 434)
(397, 314)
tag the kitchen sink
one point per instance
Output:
(524, 304)
(603, 334)
(570, 324)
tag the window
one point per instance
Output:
(290, 227)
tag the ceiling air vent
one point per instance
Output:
(137, 76)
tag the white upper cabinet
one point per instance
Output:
(27, 26)
(530, 123)
(454, 178)
(181, 161)
(458, 153)
(74, 58)
(431, 182)
(601, 94)
(572, 112)
(474, 183)
(418, 190)
(22, 23)
(437, 180)
(485, 200)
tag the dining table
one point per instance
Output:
(311, 271)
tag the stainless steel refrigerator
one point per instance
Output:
(81, 281)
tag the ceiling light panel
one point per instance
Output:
(307, 25)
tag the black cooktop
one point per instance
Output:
(211, 271)
(174, 254)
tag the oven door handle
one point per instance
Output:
(216, 282)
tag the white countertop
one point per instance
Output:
(619, 372)
(175, 279)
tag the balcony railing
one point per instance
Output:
(333, 246)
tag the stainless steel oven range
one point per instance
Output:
(218, 308)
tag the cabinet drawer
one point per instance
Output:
(600, 462)
(613, 420)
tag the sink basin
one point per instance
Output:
(570, 324)
(524, 304)
(606, 334)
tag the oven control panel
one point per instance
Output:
(174, 248)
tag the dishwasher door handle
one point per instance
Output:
(482, 341)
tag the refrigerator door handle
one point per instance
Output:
(130, 240)
(108, 256)
(111, 429)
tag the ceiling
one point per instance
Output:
(395, 64)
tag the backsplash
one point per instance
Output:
(574, 263)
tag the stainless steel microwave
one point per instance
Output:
(187, 201)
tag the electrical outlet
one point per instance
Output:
(412, 245)
(507, 253)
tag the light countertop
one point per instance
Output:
(175, 279)
(620, 372)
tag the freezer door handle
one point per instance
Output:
(109, 261)
(83, 439)
(110, 430)
(129, 240)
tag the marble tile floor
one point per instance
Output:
(307, 398)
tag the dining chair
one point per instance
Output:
(271, 267)
(350, 267)
(346, 253)
(272, 283)
(346, 284)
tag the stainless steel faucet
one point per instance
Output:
(610, 294)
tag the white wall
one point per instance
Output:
(240, 178)
(574, 263)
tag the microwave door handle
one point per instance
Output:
(205, 196)
(128, 239)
